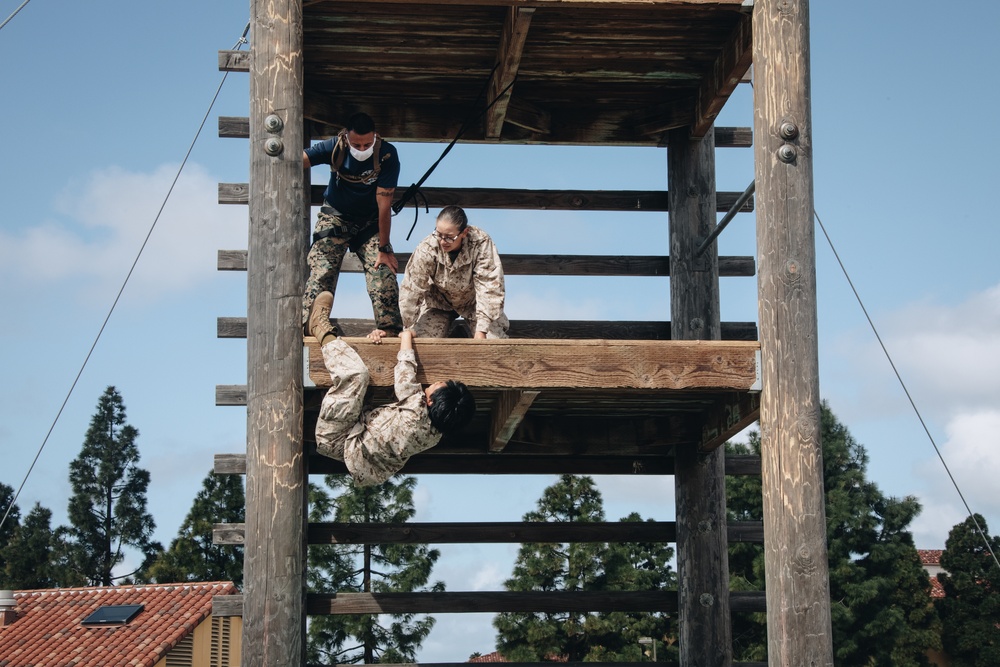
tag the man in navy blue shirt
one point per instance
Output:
(356, 215)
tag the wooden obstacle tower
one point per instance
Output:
(644, 398)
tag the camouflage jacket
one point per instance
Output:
(471, 284)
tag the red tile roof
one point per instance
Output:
(47, 630)
(489, 657)
(937, 590)
(930, 556)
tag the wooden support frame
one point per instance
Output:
(795, 551)
(515, 32)
(508, 412)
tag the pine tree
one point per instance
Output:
(9, 508)
(970, 609)
(880, 594)
(192, 556)
(107, 510)
(29, 552)
(389, 568)
(573, 636)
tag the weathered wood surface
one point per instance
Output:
(236, 327)
(493, 532)
(705, 634)
(500, 601)
(795, 551)
(543, 265)
(238, 127)
(470, 464)
(507, 414)
(541, 364)
(274, 554)
(512, 199)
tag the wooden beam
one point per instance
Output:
(535, 119)
(539, 200)
(462, 602)
(727, 72)
(545, 265)
(728, 419)
(795, 550)
(494, 532)
(507, 414)
(543, 364)
(490, 464)
(512, 38)
(276, 483)
(236, 327)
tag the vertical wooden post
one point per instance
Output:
(795, 553)
(274, 561)
(705, 636)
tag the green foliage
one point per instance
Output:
(345, 568)
(880, 595)
(8, 528)
(608, 637)
(107, 510)
(192, 556)
(28, 553)
(970, 610)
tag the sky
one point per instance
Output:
(103, 100)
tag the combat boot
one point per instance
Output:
(319, 316)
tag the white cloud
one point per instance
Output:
(972, 454)
(948, 354)
(102, 223)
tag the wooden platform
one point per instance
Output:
(624, 400)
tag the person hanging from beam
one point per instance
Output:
(375, 444)
(454, 272)
(356, 215)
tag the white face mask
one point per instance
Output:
(362, 155)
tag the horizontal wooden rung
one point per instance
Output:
(510, 199)
(545, 265)
(430, 462)
(236, 327)
(493, 532)
(486, 601)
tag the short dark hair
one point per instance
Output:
(360, 123)
(452, 407)
(456, 214)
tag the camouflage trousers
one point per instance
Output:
(340, 412)
(436, 323)
(325, 259)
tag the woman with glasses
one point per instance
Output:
(454, 272)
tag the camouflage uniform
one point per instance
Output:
(325, 258)
(375, 444)
(438, 287)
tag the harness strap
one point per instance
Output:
(340, 150)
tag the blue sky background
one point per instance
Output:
(103, 98)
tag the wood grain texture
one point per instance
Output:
(541, 364)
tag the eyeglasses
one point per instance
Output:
(447, 239)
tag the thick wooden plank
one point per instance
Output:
(507, 414)
(232, 534)
(489, 464)
(502, 198)
(443, 603)
(541, 364)
(795, 550)
(238, 127)
(546, 265)
(236, 327)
